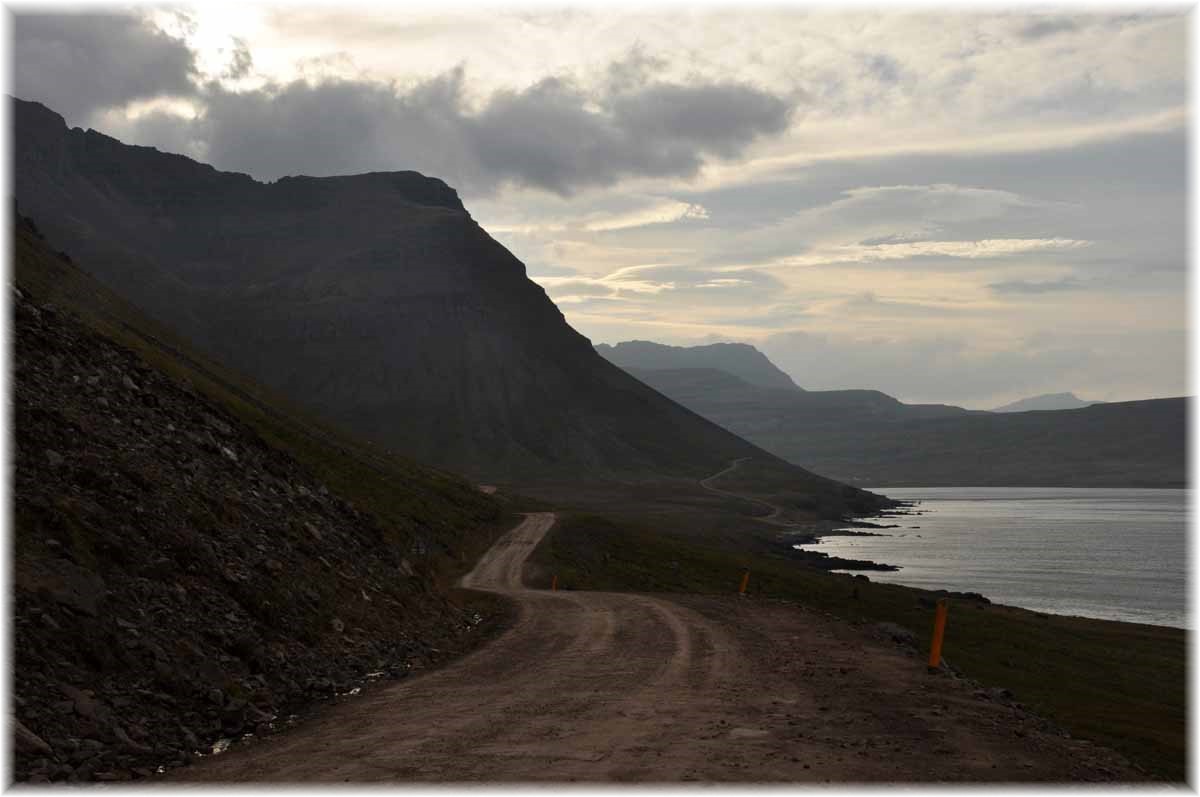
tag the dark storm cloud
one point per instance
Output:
(552, 135)
(80, 63)
(334, 127)
(556, 136)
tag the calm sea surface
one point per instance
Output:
(1117, 554)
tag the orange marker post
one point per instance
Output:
(745, 583)
(554, 583)
(939, 633)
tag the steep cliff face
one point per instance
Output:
(375, 300)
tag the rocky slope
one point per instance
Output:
(177, 579)
(374, 300)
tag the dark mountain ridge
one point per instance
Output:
(867, 437)
(374, 300)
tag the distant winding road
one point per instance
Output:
(602, 687)
(775, 511)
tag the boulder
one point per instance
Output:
(26, 741)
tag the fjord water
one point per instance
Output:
(1114, 554)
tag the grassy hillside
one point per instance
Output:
(1119, 684)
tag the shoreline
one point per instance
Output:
(817, 531)
(814, 532)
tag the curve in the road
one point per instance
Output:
(604, 687)
(774, 509)
(582, 683)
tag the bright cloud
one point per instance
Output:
(971, 250)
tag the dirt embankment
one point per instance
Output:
(594, 686)
(176, 579)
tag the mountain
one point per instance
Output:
(740, 359)
(869, 438)
(1047, 401)
(190, 555)
(373, 300)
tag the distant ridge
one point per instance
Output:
(1047, 401)
(740, 359)
(867, 437)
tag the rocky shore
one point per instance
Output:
(849, 527)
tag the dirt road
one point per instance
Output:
(593, 686)
(775, 511)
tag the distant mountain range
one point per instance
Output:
(866, 437)
(740, 359)
(374, 300)
(1047, 401)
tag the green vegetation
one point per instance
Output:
(1120, 684)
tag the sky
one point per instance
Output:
(955, 206)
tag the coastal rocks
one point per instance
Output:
(823, 561)
(930, 599)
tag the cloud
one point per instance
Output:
(872, 224)
(969, 250)
(338, 127)
(241, 61)
(882, 67)
(1026, 288)
(869, 304)
(556, 136)
(938, 369)
(1118, 364)
(552, 135)
(80, 63)
(1042, 27)
(664, 212)
(696, 288)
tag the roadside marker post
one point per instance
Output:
(939, 633)
(745, 583)
(554, 583)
